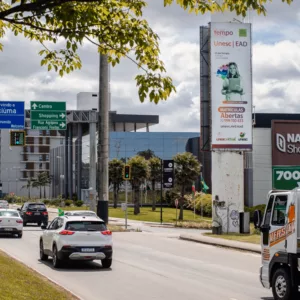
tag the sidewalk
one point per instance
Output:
(219, 242)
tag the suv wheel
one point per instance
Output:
(43, 256)
(56, 261)
(106, 263)
(20, 235)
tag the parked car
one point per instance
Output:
(11, 222)
(4, 204)
(76, 238)
(34, 213)
(81, 213)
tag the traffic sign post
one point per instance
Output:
(168, 174)
(286, 177)
(48, 115)
(12, 114)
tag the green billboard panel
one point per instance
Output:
(285, 177)
(48, 115)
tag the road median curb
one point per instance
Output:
(221, 243)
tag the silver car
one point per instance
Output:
(4, 204)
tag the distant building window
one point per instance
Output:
(41, 132)
(47, 157)
(47, 132)
(40, 157)
(40, 166)
(61, 141)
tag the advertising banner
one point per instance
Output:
(285, 154)
(231, 86)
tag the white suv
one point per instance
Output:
(76, 238)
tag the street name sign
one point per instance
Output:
(286, 177)
(12, 114)
(48, 115)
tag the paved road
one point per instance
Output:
(148, 266)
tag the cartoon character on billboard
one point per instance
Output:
(232, 82)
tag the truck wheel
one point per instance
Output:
(282, 285)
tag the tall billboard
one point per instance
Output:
(285, 154)
(231, 86)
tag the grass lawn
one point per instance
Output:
(147, 215)
(253, 238)
(169, 215)
(20, 282)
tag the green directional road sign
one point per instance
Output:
(286, 177)
(48, 115)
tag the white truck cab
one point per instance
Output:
(280, 242)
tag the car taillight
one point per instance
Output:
(66, 232)
(45, 213)
(28, 213)
(19, 221)
(106, 232)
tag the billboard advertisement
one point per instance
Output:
(231, 86)
(285, 154)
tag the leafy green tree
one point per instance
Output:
(116, 167)
(187, 170)
(139, 173)
(117, 28)
(155, 176)
(28, 186)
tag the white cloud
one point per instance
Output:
(276, 67)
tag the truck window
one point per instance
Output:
(269, 211)
(278, 218)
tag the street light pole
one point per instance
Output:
(103, 139)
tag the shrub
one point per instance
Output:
(46, 202)
(68, 202)
(79, 203)
(201, 201)
(55, 202)
(251, 210)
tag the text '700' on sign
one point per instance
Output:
(48, 115)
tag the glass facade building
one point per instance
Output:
(164, 144)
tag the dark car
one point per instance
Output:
(34, 213)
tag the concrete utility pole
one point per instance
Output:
(103, 140)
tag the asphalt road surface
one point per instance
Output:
(149, 266)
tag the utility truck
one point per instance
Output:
(280, 242)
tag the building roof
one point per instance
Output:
(264, 120)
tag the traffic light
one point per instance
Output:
(17, 138)
(127, 173)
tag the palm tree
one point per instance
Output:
(43, 180)
(140, 171)
(115, 177)
(147, 154)
(28, 186)
(187, 170)
(155, 176)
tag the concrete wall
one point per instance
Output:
(262, 164)
(228, 187)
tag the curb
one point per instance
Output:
(48, 278)
(223, 245)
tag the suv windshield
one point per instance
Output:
(37, 206)
(9, 214)
(86, 226)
